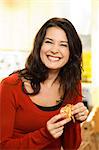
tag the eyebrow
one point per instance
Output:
(48, 39)
(52, 40)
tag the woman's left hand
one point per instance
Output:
(80, 111)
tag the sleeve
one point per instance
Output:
(38, 139)
(71, 138)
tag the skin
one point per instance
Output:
(55, 50)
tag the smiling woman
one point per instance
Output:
(31, 98)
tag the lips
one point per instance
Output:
(53, 58)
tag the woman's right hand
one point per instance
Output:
(56, 124)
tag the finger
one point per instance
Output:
(58, 134)
(56, 118)
(87, 112)
(79, 115)
(79, 109)
(81, 118)
(78, 105)
(53, 126)
(62, 123)
(54, 131)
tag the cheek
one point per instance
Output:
(66, 55)
(43, 50)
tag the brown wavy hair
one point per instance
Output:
(69, 75)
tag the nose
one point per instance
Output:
(55, 49)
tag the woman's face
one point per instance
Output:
(54, 51)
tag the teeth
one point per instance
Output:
(53, 58)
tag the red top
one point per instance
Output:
(23, 123)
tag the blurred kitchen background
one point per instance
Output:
(20, 21)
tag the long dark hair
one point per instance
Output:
(69, 75)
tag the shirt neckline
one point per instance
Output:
(49, 108)
(45, 108)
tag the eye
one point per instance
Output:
(48, 42)
(64, 45)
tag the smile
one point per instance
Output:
(53, 58)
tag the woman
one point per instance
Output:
(31, 98)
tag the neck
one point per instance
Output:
(51, 78)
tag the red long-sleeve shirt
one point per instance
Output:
(23, 123)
